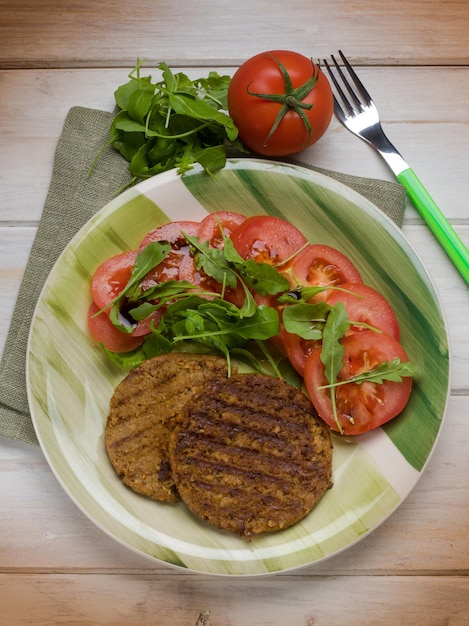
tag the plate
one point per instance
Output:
(70, 382)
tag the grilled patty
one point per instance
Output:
(142, 410)
(250, 455)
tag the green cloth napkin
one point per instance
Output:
(73, 198)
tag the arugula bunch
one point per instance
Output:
(172, 123)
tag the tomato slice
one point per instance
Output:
(171, 232)
(362, 407)
(103, 331)
(298, 349)
(267, 239)
(178, 264)
(367, 306)
(111, 277)
(322, 265)
(209, 228)
(109, 280)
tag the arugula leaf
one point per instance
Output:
(332, 351)
(140, 100)
(127, 360)
(300, 294)
(230, 252)
(303, 293)
(306, 320)
(212, 261)
(262, 277)
(264, 324)
(393, 371)
(155, 344)
(168, 289)
(146, 260)
(185, 105)
(249, 305)
(212, 158)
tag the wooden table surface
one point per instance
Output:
(56, 566)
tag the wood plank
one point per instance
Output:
(15, 245)
(36, 102)
(41, 33)
(174, 600)
(428, 531)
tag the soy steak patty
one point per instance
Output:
(250, 455)
(142, 409)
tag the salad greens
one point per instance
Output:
(196, 319)
(328, 324)
(189, 315)
(172, 123)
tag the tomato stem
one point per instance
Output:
(292, 99)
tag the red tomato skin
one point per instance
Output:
(178, 264)
(267, 239)
(111, 277)
(103, 331)
(369, 404)
(322, 265)
(371, 308)
(209, 228)
(297, 349)
(254, 116)
(144, 326)
(171, 232)
(107, 283)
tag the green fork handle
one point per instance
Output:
(439, 225)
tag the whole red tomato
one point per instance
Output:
(281, 102)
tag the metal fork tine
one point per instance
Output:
(338, 109)
(356, 80)
(347, 85)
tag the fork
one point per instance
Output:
(359, 114)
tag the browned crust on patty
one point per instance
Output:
(141, 413)
(250, 455)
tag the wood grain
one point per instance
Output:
(296, 601)
(49, 34)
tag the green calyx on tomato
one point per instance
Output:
(269, 100)
(292, 99)
(279, 103)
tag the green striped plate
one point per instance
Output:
(70, 382)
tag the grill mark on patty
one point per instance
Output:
(216, 477)
(273, 421)
(233, 457)
(142, 410)
(250, 455)
(273, 432)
